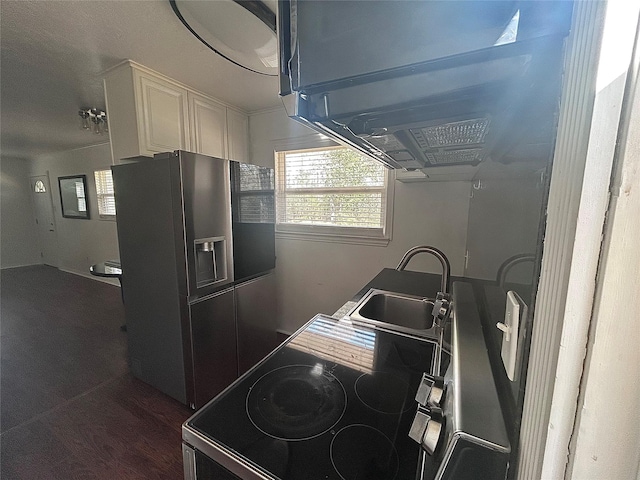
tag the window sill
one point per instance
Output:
(334, 238)
(109, 218)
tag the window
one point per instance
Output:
(335, 194)
(104, 191)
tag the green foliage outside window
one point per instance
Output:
(336, 187)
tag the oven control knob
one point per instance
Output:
(419, 426)
(431, 391)
(426, 429)
(437, 392)
(433, 431)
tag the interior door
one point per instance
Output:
(45, 222)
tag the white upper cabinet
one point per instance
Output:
(238, 128)
(163, 125)
(209, 124)
(149, 113)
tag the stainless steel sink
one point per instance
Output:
(397, 310)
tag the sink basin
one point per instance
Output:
(406, 311)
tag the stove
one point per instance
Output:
(334, 402)
(342, 401)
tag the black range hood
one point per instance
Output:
(425, 84)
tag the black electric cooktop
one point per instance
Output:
(334, 402)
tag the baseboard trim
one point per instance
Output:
(20, 266)
(110, 281)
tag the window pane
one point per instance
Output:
(104, 190)
(332, 168)
(104, 182)
(333, 187)
(345, 210)
(106, 204)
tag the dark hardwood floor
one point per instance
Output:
(70, 409)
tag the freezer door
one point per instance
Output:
(256, 318)
(213, 334)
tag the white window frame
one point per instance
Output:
(102, 216)
(323, 233)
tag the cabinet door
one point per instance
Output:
(238, 125)
(209, 126)
(256, 319)
(162, 115)
(213, 336)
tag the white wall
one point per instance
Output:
(18, 235)
(271, 127)
(81, 243)
(318, 277)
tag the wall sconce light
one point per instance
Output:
(93, 119)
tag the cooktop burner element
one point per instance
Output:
(296, 402)
(375, 457)
(369, 386)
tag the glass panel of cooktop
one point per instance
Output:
(334, 402)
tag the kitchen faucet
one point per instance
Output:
(446, 267)
(442, 302)
(443, 298)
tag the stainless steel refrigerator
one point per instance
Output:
(192, 325)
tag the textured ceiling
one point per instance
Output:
(53, 53)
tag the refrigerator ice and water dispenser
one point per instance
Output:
(211, 262)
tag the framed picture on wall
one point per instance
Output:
(73, 196)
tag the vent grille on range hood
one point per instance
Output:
(452, 134)
(442, 144)
(451, 157)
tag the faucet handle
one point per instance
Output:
(441, 308)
